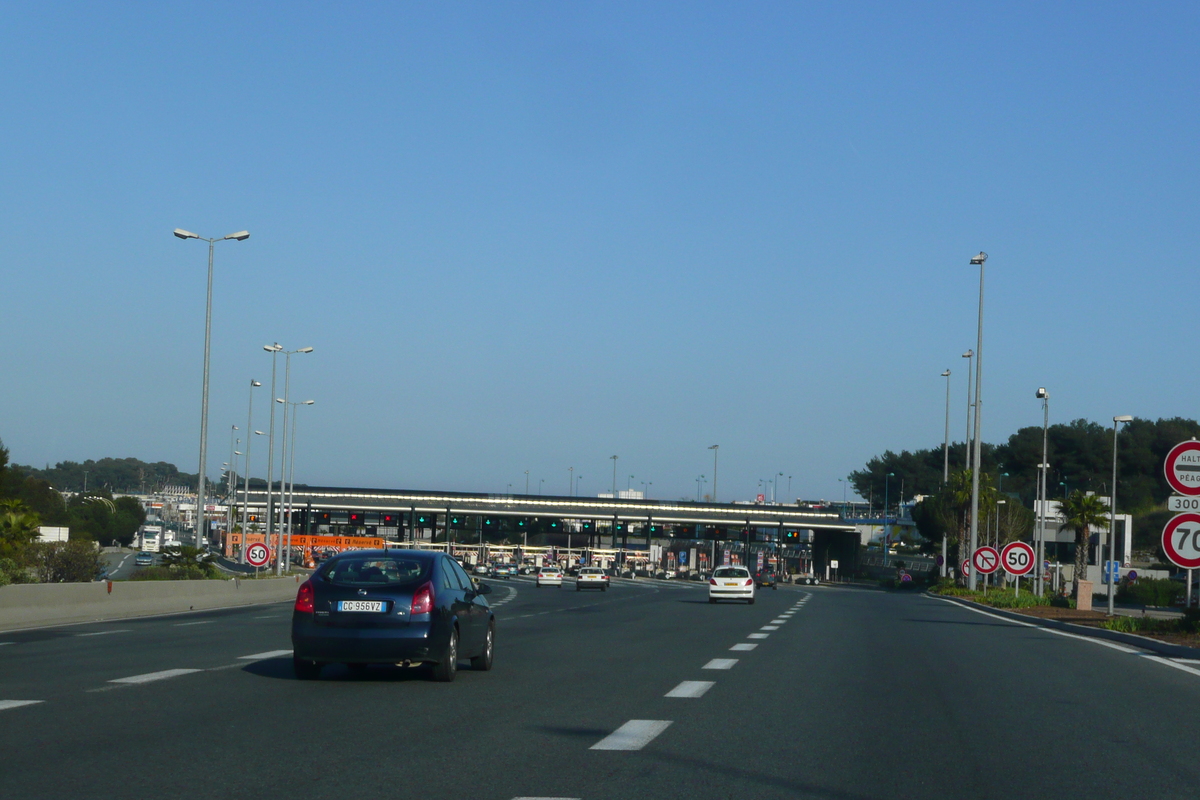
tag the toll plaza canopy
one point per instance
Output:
(314, 506)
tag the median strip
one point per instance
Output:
(633, 735)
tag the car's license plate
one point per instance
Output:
(360, 605)
(727, 583)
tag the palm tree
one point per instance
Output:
(1082, 513)
(18, 526)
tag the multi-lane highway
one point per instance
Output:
(644, 691)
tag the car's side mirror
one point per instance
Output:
(483, 588)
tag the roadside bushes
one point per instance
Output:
(74, 561)
(181, 573)
(1149, 591)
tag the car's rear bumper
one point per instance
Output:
(416, 641)
(731, 592)
(549, 582)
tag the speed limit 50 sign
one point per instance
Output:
(1181, 540)
(1017, 558)
(258, 554)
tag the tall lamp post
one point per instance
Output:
(1044, 396)
(946, 440)
(977, 260)
(716, 449)
(240, 236)
(884, 542)
(969, 355)
(292, 482)
(1112, 515)
(286, 401)
(614, 460)
(246, 479)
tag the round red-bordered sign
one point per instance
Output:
(258, 554)
(1181, 540)
(966, 567)
(1182, 468)
(1018, 558)
(986, 560)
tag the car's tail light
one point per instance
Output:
(423, 599)
(713, 581)
(304, 598)
(749, 581)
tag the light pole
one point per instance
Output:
(246, 480)
(292, 482)
(716, 448)
(230, 483)
(1112, 516)
(969, 355)
(526, 483)
(240, 236)
(700, 480)
(774, 491)
(286, 400)
(269, 510)
(628, 482)
(946, 440)
(980, 260)
(1043, 467)
(843, 482)
(614, 460)
(571, 481)
(886, 487)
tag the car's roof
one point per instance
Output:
(390, 551)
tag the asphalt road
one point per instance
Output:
(821, 692)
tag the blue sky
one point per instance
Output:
(528, 236)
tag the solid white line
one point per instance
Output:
(720, 663)
(155, 676)
(769, 628)
(743, 647)
(1100, 642)
(102, 633)
(633, 735)
(272, 616)
(758, 636)
(993, 616)
(7, 704)
(691, 689)
(1171, 663)
(268, 654)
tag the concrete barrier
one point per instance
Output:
(35, 604)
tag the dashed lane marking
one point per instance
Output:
(743, 647)
(778, 621)
(7, 704)
(633, 735)
(266, 655)
(769, 628)
(199, 622)
(691, 689)
(720, 663)
(155, 676)
(758, 636)
(4, 643)
(545, 798)
(103, 633)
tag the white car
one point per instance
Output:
(549, 576)
(591, 578)
(731, 583)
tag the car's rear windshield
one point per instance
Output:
(730, 572)
(376, 570)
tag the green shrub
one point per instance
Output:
(170, 574)
(1153, 592)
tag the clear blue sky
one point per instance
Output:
(527, 236)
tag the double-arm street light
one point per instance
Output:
(1112, 518)
(974, 581)
(201, 499)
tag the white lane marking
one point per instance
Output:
(7, 704)
(743, 647)
(993, 616)
(720, 663)
(1180, 660)
(758, 636)
(201, 622)
(155, 676)
(1171, 663)
(272, 616)
(633, 735)
(268, 654)
(1100, 642)
(769, 628)
(4, 643)
(545, 798)
(691, 689)
(102, 633)
(778, 621)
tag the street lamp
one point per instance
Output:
(885, 514)
(526, 483)
(1043, 467)
(700, 480)
(977, 260)
(1112, 516)
(614, 460)
(716, 448)
(246, 481)
(286, 401)
(969, 355)
(571, 481)
(240, 236)
(292, 481)
(946, 440)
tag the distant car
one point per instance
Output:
(505, 571)
(591, 578)
(481, 569)
(400, 607)
(731, 583)
(549, 576)
(143, 559)
(669, 574)
(764, 578)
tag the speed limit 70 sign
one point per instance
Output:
(1017, 558)
(1181, 540)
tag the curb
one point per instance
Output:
(1131, 639)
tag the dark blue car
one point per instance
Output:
(401, 607)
